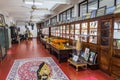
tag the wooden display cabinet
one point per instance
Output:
(60, 31)
(77, 31)
(93, 32)
(105, 43)
(67, 31)
(45, 31)
(72, 33)
(57, 31)
(84, 32)
(52, 31)
(115, 63)
(63, 31)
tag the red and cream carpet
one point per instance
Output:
(30, 68)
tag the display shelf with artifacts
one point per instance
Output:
(61, 47)
(67, 31)
(72, 28)
(60, 28)
(77, 31)
(5, 36)
(115, 63)
(57, 32)
(52, 31)
(64, 31)
(84, 31)
(93, 32)
(45, 31)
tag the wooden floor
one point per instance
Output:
(33, 48)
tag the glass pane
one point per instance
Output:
(116, 30)
(72, 13)
(118, 1)
(107, 3)
(92, 5)
(117, 25)
(93, 39)
(83, 9)
(64, 16)
(68, 15)
(116, 34)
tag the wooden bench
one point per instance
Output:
(77, 64)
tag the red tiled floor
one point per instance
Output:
(33, 48)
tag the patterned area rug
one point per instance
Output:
(27, 69)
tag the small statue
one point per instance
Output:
(43, 72)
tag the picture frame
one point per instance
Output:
(101, 11)
(92, 57)
(117, 9)
(93, 14)
(75, 58)
(2, 20)
(110, 10)
(88, 15)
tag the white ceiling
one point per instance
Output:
(22, 12)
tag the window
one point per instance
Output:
(117, 1)
(53, 20)
(107, 3)
(68, 14)
(72, 12)
(64, 16)
(83, 9)
(92, 5)
(60, 16)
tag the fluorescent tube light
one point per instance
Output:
(31, 3)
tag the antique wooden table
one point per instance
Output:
(62, 54)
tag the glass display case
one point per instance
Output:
(45, 31)
(116, 36)
(63, 31)
(57, 31)
(105, 33)
(93, 32)
(60, 31)
(67, 31)
(72, 31)
(84, 31)
(52, 31)
(77, 31)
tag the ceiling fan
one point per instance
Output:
(34, 7)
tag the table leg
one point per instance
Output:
(59, 58)
(76, 68)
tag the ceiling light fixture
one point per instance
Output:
(57, 1)
(31, 2)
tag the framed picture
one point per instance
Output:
(75, 58)
(110, 10)
(87, 15)
(117, 9)
(92, 57)
(101, 11)
(2, 20)
(93, 14)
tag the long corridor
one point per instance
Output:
(32, 49)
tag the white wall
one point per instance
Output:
(22, 29)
